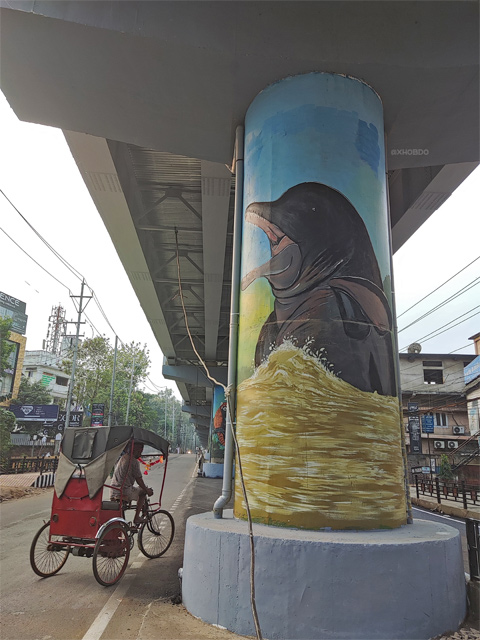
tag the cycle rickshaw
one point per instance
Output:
(86, 525)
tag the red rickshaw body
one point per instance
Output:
(77, 515)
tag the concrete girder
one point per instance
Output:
(216, 186)
(205, 411)
(200, 422)
(191, 103)
(416, 193)
(195, 375)
(94, 161)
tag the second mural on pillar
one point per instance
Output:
(317, 418)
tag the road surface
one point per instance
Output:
(452, 521)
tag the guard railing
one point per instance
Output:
(460, 492)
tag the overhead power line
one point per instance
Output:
(437, 332)
(439, 287)
(72, 269)
(455, 295)
(33, 259)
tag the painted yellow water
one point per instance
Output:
(315, 451)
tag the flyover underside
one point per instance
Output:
(150, 93)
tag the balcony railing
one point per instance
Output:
(31, 464)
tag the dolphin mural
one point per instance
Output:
(328, 291)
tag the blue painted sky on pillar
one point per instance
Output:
(323, 128)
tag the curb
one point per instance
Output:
(44, 480)
(446, 508)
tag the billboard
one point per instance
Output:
(34, 412)
(76, 420)
(98, 413)
(11, 307)
(472, 371)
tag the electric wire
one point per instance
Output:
(237, 449)
(72, 269)
(33, 259)
(69, 266)
(457, 294)
(76, 273)
(437, 332)
(466, 346)
(439, 287)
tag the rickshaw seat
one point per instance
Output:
(111, 505)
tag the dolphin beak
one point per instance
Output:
(284, 266)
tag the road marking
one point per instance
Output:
(102, 620)
(106, 614)
(437, 515)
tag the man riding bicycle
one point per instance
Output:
(127, 471)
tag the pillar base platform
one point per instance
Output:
(406, 583)
(213, 469)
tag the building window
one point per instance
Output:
(63, 382)
(433, 376)
(441, 420)
(432, 372)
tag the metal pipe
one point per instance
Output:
(234, 318)
(113, 383)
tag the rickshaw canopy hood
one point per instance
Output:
(95, 450)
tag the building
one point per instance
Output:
(472, 388)
(434, 399)
(42, 366)
(11, 307)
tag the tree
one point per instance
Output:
(32, 393)
(7, 423)
(445, 473)
(93, 379)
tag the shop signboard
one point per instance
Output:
(34, 412)
(415, 434)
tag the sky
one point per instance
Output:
(40, 177)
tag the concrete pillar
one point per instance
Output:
(214, 468)
(219, 408)
(318, 420)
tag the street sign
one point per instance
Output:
(428, 423)
(412, 407)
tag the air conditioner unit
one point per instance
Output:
(459, 431)
(438, 444)
(452, 444)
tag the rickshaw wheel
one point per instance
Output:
(156, 534)
(46, 558)
(111, 554)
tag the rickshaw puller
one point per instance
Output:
(126, 473)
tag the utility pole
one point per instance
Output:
(166, 398)
(130, 390)
(113, 383)
(81, 309)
